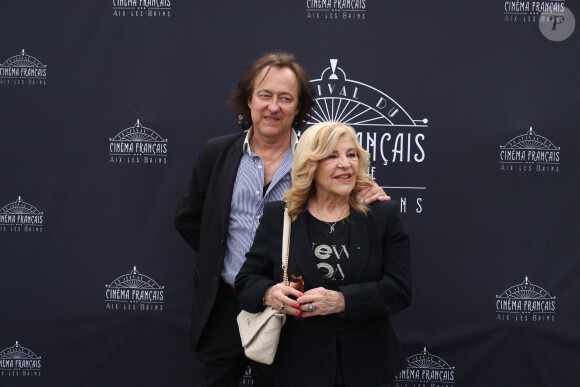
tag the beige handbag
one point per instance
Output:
(260, 332)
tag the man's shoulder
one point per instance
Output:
(225, 140)
(215, 148)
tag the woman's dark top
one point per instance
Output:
(330, 247)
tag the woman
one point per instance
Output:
(354, 260)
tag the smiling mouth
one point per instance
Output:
(343, 177)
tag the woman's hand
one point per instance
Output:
(373, 193)
(278, 297)
(320, 302)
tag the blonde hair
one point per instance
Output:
(317, 143)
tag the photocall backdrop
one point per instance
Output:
(469, 110)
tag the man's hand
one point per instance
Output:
(373, 193)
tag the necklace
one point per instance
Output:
(331, 224)
(261, 154)
(268, 174)
(277, 157)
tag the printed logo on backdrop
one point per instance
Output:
(336, 9)
(247, 379)
(394, 139)
(554, 20)
(425, 369)
(20, 216)
(142, 8)
(22, 69)
(525, 302)
(19, 361)
(529, 153)
(137, 145)
(134, 291)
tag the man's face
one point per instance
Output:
(274, 102)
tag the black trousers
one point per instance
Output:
(220, 360)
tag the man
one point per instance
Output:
(234, 176)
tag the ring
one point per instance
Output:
(282, 307)
(310, 307)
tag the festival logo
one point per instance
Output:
(555, 21)
(142, 8)
(22, 69)
(525, 302)
(394, 139)
(336, 10)
(19, 361)
(134, 291)
(529, 153)
(20, 216)
(425, 369)
(137, 145)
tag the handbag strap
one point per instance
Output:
(286, 244)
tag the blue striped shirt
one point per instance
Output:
(247, 205)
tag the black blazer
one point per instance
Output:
(377, 284)
(202, 219)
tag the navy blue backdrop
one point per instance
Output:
(469, 111)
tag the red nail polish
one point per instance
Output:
(297, 313)
(300, 295)
(296, 305)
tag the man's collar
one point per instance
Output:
(293, 140)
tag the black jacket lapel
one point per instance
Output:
(301, 255)
(228, 179)
(359, 247)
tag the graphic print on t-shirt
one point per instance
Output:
(331, 260)
(329, 244)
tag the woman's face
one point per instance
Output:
(336, 174)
